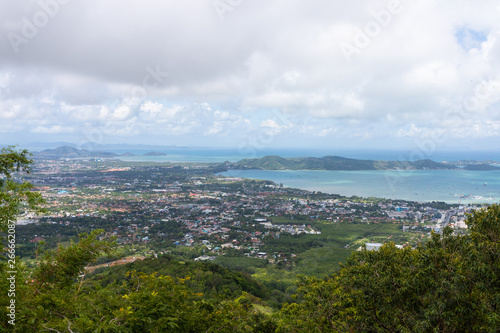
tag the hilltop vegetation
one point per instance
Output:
(449, 284)
(336, 163)
(205, 277)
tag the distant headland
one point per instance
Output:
(71, 152)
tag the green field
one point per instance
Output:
(242, 264)
(320, 255)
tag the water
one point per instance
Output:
(215, 155)
(423, 186)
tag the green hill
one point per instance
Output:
(480, 167)
(205, 277)
(336, 163)
(70, 152)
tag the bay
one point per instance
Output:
(451, 186)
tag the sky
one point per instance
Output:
(252, 74)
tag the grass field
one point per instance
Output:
(243, 264)
(320, 255)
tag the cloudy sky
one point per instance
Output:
(233, 73)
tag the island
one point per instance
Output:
(274, 162)
(155, 153)
(481, 167)
(71, 152)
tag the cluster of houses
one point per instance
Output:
(147, 203)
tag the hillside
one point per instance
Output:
(336, 163)
(155, 153)
(206, 277)
(70, 152)
(481, 167)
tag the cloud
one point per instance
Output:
(130, 70)
(52, 129)
(269, 123)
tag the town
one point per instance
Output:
(190, 211)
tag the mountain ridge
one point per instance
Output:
(71, 152)
(329, 162)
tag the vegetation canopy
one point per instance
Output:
(449, 284)
(15, 194)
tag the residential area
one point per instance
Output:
(166, 208)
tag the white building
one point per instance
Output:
(373, 246)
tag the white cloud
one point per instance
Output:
(269, 123)
(171, 68)
(52, 129)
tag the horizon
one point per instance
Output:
(233, 154)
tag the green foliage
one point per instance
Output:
(334, 163)
(321, 261)
(15, 195)
(164, 304)
(212, 280)
(49, 295)
(61, 267)
(320, 255)
(450, 284)
(140, 303)
(241, 264)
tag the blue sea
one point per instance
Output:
(424, 186)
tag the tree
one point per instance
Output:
(61, 267)
(450, 284)
(15, 195)
(57, 296)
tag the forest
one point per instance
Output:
(449, 283)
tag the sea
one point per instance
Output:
(458, 186)
(450, 186)
(197, 154)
